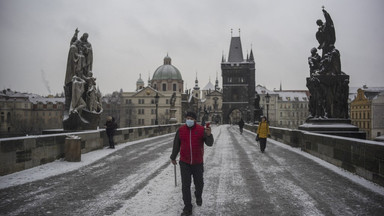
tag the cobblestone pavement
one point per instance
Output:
(239, 180)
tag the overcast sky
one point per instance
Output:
(132, 37)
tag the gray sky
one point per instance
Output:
(130, 37)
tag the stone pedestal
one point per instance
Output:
(73, 149)
(173, 119)
(333, 126)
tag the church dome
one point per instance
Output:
(167, 71)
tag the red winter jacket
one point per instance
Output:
(190, 143)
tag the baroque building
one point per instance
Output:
(29, 114)
(367, 111)
(139, 108)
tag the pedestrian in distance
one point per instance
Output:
(263, 133)
(189, 141)
(241, 125)
(111, 127)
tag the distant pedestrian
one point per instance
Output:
(241, 125)
(263, 133)
(111, 127)
(189, 141)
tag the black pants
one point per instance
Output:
(110, 139)
(188, 170)
(263, 143)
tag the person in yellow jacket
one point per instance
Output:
(263, 133)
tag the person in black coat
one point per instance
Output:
(241, 125)
(111, 127)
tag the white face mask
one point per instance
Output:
(189, 122)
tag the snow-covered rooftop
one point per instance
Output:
(209, 86)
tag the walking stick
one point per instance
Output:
(174, 166)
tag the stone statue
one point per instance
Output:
(328, 87)
(86, 49)
(82, 99)
(325, 35)
(257, 112)
(314, 61)
(77, 102)
(173, 100)
(327, 84)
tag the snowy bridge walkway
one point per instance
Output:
(137, 179)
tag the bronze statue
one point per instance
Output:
(327, 84)
(325, 35)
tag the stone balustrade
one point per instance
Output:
(19, 153)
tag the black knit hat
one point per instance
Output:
(191, 114)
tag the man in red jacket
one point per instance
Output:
(189, 141)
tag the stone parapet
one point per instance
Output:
(19, 153)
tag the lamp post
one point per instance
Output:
(157, 106)
(267, 101)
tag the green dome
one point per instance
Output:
(167, 71)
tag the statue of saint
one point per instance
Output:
(173, 100)
(326, 35)
(86, 48)
(314, 61)
(83, 104)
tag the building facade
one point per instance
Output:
(26, 114)
(367, 111)
(286, 108)
(141, 107)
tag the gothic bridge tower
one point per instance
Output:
(238, 84)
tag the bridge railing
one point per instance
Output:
(19, 153)
(362, 157)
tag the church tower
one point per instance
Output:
(196, 89)
(238, 82)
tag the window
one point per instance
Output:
(141, 111)
(174, 87)
(152, 101)
(141, 101)
(164, 87)
(167, 101)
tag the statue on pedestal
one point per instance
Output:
(327, 84)
(173, 110)
(82, 99)
(328, 87)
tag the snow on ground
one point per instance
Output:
(160, 196)
(60, 166)
(353, 177)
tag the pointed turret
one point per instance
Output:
(196, 84)
(235, 50)
(217, 84)
(251, 58)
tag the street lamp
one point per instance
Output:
(267, 101)
(157, 106)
